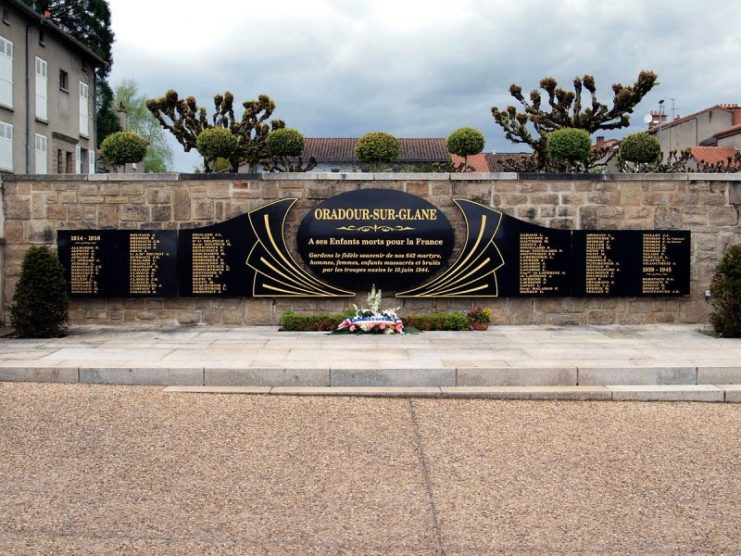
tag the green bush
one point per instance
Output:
(40, 303)
(378, 147)
(216, 142)
(640, 148)
(285, 142)
(452, 320)
(569, 144)
(123, 147)
(306, 323)
(465, 142)
(726, 295)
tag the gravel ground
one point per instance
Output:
(112, 469)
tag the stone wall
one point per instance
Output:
(35, 207)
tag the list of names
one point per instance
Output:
(209, 266)
(601, 269)
(536, 264)
(658, 266)
(144, 264)
(85, 264)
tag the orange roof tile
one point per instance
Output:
(713, 155)
(340, 149)
(476, 161)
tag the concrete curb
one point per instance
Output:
(636, 392)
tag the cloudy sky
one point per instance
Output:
(421, 68)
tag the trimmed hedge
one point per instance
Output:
(308, 322)
(328, 322)
(452, 320)
(726, 295)
(40, 303)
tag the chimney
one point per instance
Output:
(600, 140)
(122, 116)
(657, 118)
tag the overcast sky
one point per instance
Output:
(422, 68)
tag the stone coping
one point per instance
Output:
(363, 176)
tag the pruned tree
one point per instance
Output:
(564, 108)
(186, 120)
(286, 148)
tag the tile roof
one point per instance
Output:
(495, 160)
(340, 149)
(476, 161)
(713, 155)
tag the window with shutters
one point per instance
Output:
(41, 89)
(84, 114)
(41, 154)
(6, 146)
(6, 72)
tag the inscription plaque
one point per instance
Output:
(371, 236)
(397, 241)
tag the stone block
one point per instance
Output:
(182, 205)
(203, 210)
(161, 213)
(528, 392)
(374, 392)
(157, 196)
(719, 375)
(732, 392)
(17, 209)
(516, 376)
(392, 377)
(143, 376)
(637, 375)
(667, 393)
(218, 389)
(134, 213)
(267, 377)
(39, 374)
(724, 216)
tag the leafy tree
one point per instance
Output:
(186, 120)
(123, 147)
(570, 145)
(639, 152)
(286, 147)
(40, 304)
(143, 123)
(465, 142)
(377, 149)
(106, 120)
(566, 109)
(216, 142)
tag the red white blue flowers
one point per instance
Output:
(373, 319)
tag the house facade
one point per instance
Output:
(712, 134)
(47, 96)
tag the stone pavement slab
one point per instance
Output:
(667, 392)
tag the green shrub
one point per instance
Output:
(465, 142)
(40, 304)
(305, 323)
(569, 144)
(285, 142)
(123, 147)
(216, 142)
(452, 320)
(726, 295)
(378, 147)
(640, 148)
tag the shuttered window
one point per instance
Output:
(6, 72)
(84, 113)
(41, 154)
(41, 89)
(6, 146)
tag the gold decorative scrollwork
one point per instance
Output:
(375, 228)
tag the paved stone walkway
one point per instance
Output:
(92, 469)
(504, 356)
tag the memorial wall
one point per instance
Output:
(553, 250)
